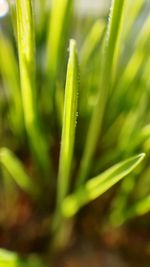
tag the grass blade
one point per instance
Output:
(134, 8)
(58, 27)
(69, 123)
(141, 207)
(26, 49)
(16, 170)
(136, 61)
(87, 54)
(91, 42)
(60, 226)
(10, 76)
(8, 259)
(108, 69)
(12, 259)
(98, 185)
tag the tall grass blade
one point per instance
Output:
(134, 7)
(12, 8)
(69, 123)
(10, 76)
(88, 50)
(136, 61)
(98, 185)
(61, 11)
(107, 71)
(60, 226)
(26, 50)
(91, 42)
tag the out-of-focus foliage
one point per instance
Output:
(58, 130)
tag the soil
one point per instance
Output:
(115, 248)
(90, 245)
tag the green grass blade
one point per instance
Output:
(69, 123)
(108, 69)
(120, 202)
(141, 207)
(12, 259)
(134, 8)
(10, 76)
(136, 60)
(60, 226)
(12, 8)
(16, 170)
(123, 206)
(98, 185)
(26, 49)
(58, 26)
(89, 57)
(146, 77)
(8, 259)
(91, 42)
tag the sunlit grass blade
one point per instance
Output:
(107, 71)
(139, 208)
(17, 172)
(136, 60)
(10, 75)
(134, 8)
(12, 7)
(12, 259)
(60, 226)
(146, 77)
(58, 27)
(123, 208)
(89, 57)
(119, 205)
(69, 123)
(26, 50)
(91, 42)
(98, 185)
(9, 259)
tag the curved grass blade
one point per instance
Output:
(26, 50)
(98, 185)
(16, 170)
(108, 69)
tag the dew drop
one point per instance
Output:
(4, 8)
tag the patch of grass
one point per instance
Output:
(56, 135)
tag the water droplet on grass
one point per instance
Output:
(4, 8)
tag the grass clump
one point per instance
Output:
(62, 124)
